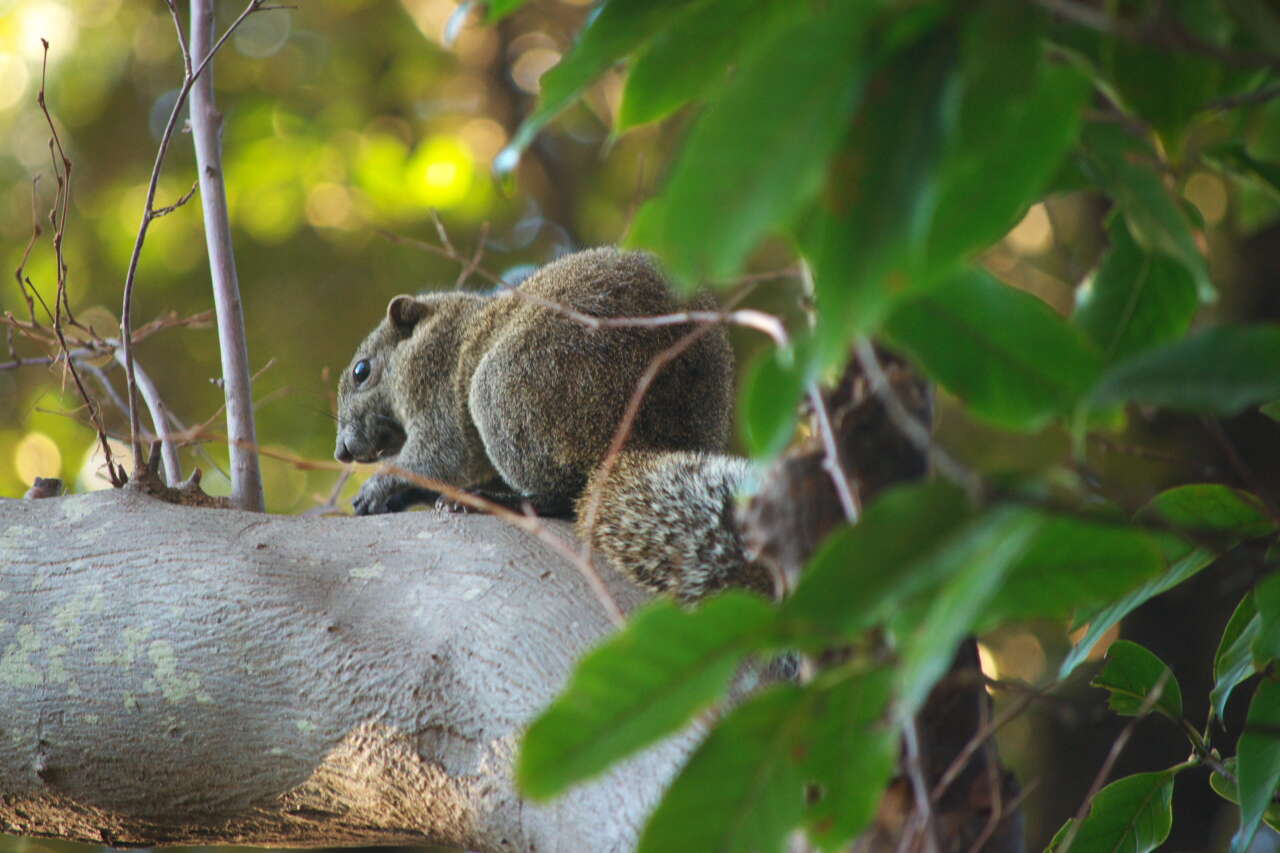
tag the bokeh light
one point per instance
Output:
(36, 455)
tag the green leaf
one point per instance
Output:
(868, 233)
(690, 58)
(1136, 300)
(1131, 674)
(1259, 20)
(1002, 164)
(1133, 814)
(1266, 595)
(1166, 87)
(1257, 762)
(1233, 662)
(741, 176)
(1072, 564)
(1121, 166)
(642, 684)
(499, 9)
(618, 28)
(1271, 410)
(743, 789)
(1211, 508)
(770, 398)
(1004, 352)
(861, 572)
(1105, 619)
(1226, 788)
(975, 563)
(1220, 371)
(852, 754)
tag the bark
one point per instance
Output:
(174, 674)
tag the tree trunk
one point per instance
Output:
(172, 674)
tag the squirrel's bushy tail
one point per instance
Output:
(666, 518)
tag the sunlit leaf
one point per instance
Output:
(1017, 120)
(1002, 351)
(895, 551)
(1233, 662)
(499, 9)
(619, 27)
(1257, 762)
(872, 225)
(739, 177)
(1211, 508)
(1131, 675)
(1220, 370)
(692, 55)
(646, 682)
(1133, 814)
(1136, 300)
(743, 789)
(1072, 564)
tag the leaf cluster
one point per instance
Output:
(891, 144)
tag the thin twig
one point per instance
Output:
(58, 219)
(1238, 464)
(159, 420)
(26, 254)
(1258, 96)
(831, 463)
(1117, 746)
(922, 818)
(997, 814)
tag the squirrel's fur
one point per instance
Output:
(509, 398)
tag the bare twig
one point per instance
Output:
(159, 419)
(1241, 468)
(26, 254)
(1257, 96)
(831, 457)
(922, 820)
(58, 219)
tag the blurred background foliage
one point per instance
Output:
(345, 120)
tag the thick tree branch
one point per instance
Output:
(181, 675)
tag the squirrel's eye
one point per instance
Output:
(361, 371)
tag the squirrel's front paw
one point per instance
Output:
(385, 493)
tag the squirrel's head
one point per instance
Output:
(368, 427)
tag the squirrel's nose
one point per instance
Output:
(342, 454)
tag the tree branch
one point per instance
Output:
(197, 676)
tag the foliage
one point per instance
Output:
(892, 145)
(903, 150)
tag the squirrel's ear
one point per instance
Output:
(404, 312)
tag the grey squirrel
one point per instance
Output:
(517, 402)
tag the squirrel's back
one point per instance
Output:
(513, 397)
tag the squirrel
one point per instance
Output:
(506, 396)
